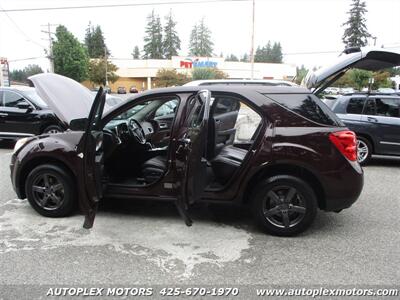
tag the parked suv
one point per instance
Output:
(181, 144)
(375, 118)
(172, 144)
(23, 113)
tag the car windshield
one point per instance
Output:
(32, 95)
(131, 112)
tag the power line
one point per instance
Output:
(117, 5)
(20, 30)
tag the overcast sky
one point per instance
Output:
(300, 25)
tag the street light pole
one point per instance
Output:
(252, 41)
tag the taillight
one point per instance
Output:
(346, 143)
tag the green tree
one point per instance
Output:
(356, 33)
(153, 40)
(95, 42)
(232, 57)
(208, 73)
(97, 71)
(170, 77)
(22, 75)
(171, 42)
(381, 80)
(70, 56)
(136, 53)
(245, 58)
(200, 43)
(276, 53)
(359, 78)
(300, 73)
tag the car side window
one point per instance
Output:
(11, 99)
(370, 108)
(167, 108)
(355, 106)
(225, 105)
(387, 107)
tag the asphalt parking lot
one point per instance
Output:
(148, 243)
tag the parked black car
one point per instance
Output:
(121, 90)
(375, 118)
(23, 113)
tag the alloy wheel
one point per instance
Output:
(48, 191)
(362, 151)
(284, 206)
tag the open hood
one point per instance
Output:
(371, 59)
(67, 98)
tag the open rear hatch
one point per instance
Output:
(370, 59)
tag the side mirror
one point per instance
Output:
(78, 124)
(24, 105)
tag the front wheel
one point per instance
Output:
(51, 191)
(284, 205)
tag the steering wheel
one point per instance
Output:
(137, 131)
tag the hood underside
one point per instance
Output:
(67, 98)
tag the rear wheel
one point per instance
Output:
(51, 191)
(364, 150)
(284, 205)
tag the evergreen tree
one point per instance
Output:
(22, 75)
(171, 41)
(193, 42)
(95, 43)
(245, 58)
(356, 33)
(70, 56)
(153, 40)
(136, 53)
(200, 40)
(232, 57)
(276, 53)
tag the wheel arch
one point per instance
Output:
(29, 166)
(286, 169)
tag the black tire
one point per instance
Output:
(52, 129)
(362, 157)
(56, 176)
(300, 212)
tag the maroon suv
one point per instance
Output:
(278, 149)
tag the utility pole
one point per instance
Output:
(50, 40)
(252, 41)
(106, 61)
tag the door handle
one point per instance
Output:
(3, 114)
(372, 119)
(163, 125)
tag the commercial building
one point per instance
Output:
(4, 72)
(141, 73)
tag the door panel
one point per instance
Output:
(91, 146)
(382, 116)
(191, 153)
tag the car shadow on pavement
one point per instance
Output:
(384, 161)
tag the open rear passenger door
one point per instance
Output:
(90, 149)
(191, 153)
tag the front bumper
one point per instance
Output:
(14, 166)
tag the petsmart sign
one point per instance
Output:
(196, 62)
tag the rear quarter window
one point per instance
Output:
(308, 106)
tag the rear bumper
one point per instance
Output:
(343, 187)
